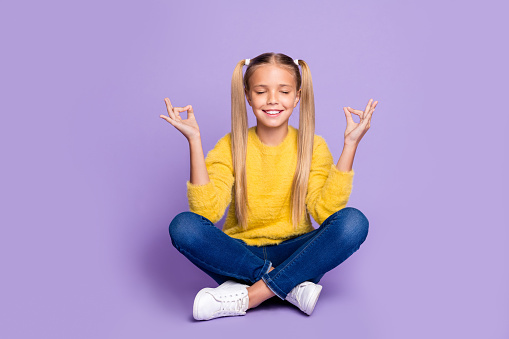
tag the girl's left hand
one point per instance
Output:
(355, 131)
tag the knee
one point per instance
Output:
(182, 226)
(354, 225)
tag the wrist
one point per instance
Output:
(194, 140)
(350, 145)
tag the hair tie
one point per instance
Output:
(247, 61)
(296, 61)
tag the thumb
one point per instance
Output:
(348, 115)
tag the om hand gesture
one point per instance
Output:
(355, 131)
(188, 127)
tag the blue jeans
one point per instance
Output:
(304, 258)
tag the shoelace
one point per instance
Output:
(234, 305)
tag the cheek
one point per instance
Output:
(295, 102)
(256, 102)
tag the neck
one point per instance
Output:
(272, 136)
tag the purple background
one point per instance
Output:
(91, 176)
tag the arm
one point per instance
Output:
(211, 179)
(199, 174)
(345, 161)
(189, 128)
(211, 199)
(329, 188)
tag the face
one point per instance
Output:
(273, 95)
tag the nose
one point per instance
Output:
(272, 98)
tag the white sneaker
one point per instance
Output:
(228, 299)
(304, 296)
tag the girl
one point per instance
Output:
(274, 176)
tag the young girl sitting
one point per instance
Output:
(274, 176)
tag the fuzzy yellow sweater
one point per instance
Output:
(269, 171)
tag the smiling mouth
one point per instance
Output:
(272, 112)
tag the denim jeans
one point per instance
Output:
(304, 258)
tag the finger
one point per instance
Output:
(367, 121)
(168, 102)
(177, 113)
(367, 109)
(372, 108)
(172, 114)
(170, 109)
(169, 106)
(190, 112)
(183, 109)
(173, 111)
(171, 121)
(179, 110)
(370, 114)
(349, 118)
(354, 111)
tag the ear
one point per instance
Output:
(248, 97)
(297, 98)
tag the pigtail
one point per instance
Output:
(239, 143)
(304, 146)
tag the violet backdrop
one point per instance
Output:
(91, 176)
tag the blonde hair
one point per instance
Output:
(240, 128)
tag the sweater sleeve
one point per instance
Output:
(210, 200)
(328, 188)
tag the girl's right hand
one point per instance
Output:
(188, 127)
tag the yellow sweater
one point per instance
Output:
(269, 171)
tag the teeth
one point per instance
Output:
(272, 112)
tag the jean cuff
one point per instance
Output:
(273, 287)
(268, 268)
(265, 269)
